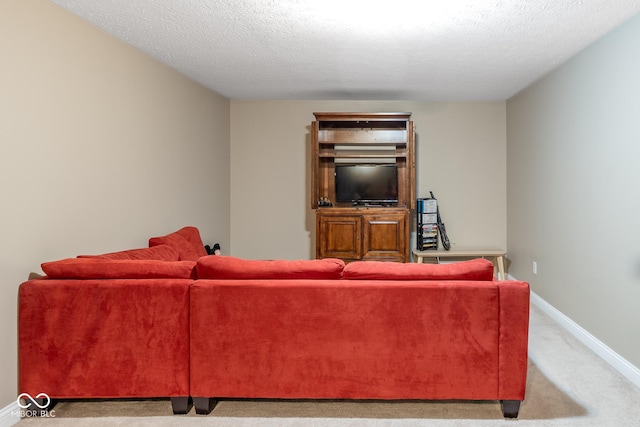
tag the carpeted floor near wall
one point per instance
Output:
(568, 385)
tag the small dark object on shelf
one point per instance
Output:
(324, 202)
(213, 251)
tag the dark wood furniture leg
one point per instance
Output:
(510, 408)
(204, 405)
(180, 404)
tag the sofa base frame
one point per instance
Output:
(38, 404)
(179, 404)
(204, 406)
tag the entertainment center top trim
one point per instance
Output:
(360, 117)
(356, 116)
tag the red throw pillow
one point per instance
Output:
(160, 252)
(96, 268)
(476, 269)
(226, 267)
(186, 241)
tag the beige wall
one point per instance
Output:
(461, 158)
(573, 198)
(101, 147)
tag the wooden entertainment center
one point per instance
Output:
(353, 222)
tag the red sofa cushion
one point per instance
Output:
(186, 241)
(476, 269)
(160, 252)
(227, 267)
(96, 268)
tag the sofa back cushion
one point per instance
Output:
(227, 267)
(186, 241)
(476, 269)
(96, 268)
(160, 252)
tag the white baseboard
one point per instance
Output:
(10, 415)
(617, 362)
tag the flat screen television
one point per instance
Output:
(367, 183)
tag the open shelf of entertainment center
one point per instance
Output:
(353, 222)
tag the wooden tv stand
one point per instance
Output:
(362, 232)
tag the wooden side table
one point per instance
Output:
(496, 254)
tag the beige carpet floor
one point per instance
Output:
(568, 385)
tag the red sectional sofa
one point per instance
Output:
(212, 327)
(111, 326)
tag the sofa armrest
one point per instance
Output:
(514, 339)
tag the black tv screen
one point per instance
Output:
(364, 183)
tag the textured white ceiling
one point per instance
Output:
(439, 50)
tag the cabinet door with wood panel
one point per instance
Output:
(385, 236)
(341, 236)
